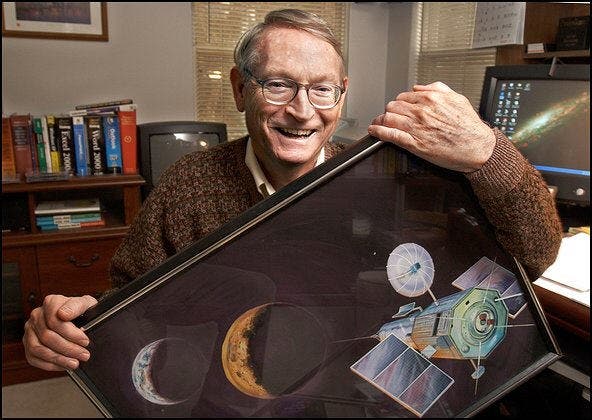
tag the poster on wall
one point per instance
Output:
(82, 21)
(371, 287)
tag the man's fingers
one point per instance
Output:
(435, 86)
(75, 307)
(390, 134)
(43, 357)
(66, 339)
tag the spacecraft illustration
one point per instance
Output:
(467, 325)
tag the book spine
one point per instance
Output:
(56, 163)
(38, 130)
(72, 225)
(129, 142)
(106, 110)
(80, 146)
(8, 159)
(104, 104)
(64, 218)
(45, 136)
(96, 144)
(21, 136)
(112, 144)
(66, 142)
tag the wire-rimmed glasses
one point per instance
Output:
(281, 91)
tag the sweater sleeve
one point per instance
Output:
(144, 247)
(517, 202)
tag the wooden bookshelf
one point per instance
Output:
(69, 262)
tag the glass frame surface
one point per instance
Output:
(39, 22)
(296, 308)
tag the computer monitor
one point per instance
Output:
(162, 143)
(545, 111)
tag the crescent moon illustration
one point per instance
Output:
(273, 349)
(143, 368)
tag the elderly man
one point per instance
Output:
(290, 81)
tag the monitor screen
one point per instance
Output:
(548, 120)
(163, 143)
(166, 148)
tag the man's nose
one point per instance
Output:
(300, 107)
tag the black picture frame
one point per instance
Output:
(300, 307)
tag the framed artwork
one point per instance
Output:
(85, 21)
(373, 286)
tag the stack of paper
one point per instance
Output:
(569, 275)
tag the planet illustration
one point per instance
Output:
(273, 350)
(167, 371)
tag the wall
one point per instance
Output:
(378, 61)
(149, 58)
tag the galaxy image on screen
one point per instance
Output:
(549, 122)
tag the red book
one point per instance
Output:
(129, 139)
(8, 160)
(22, 131)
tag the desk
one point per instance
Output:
(570, 323)
(565, 313)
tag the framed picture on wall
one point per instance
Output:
(85, 21)
(373, 286)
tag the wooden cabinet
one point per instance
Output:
(71, 262)
(541, 23)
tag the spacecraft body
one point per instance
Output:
(465, 325)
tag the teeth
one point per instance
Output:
(297, 132)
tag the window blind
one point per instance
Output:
(444, 48)
(217, 26)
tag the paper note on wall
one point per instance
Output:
(498, 24)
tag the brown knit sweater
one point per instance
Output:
(204, 190)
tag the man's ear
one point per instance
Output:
(238, 85)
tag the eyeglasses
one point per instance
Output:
(281, 91)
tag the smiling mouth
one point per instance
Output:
(295, 133)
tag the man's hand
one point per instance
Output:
(51, 340)
(437, 124)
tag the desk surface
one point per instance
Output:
(570, 323)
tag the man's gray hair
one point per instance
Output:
(246, 55)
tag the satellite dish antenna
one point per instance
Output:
(410, 270)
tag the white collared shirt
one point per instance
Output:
(263, 185)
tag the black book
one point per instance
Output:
(66, 144)
(573, 33)
(96, 144)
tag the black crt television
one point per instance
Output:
(164, 142)
(545, 111)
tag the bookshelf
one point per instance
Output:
(70, 262)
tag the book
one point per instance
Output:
(80, 205)
(65, 138)
(112, 144)
(68, 218)
(54, 151)
(129, 140)
(104, 104)
(573, 33)
(22, 139)
(96, 144)
(46, 146)
(81, 153)
(106, 110)
(8, 159)
(39, 144)
(72, 225)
